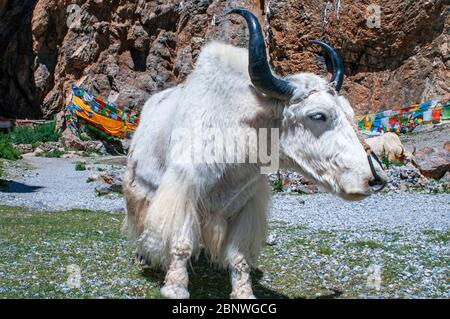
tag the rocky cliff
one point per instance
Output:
(125, 50)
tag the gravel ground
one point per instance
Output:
(53, 184)
(393, 245)
(388, 211)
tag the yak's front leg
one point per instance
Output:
(247, 234)
(241, 282)
(176, 282)
(172, 232)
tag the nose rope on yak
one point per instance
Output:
(377, 180)
(371, 154)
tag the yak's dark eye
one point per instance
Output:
(318, 117)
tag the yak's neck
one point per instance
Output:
(268, 114)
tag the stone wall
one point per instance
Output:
(125, 50)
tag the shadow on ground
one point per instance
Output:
(208, 282)
(17, 187)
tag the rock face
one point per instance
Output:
(18, 94)
(403, 59)
(127, 50)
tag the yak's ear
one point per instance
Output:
(269, 109)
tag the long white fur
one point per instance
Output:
(176, 209)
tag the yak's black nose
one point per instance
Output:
(377, 184)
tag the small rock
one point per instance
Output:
(38, 151)
(446, 179)
(109, 182)
(24, 148)
(271, 240)
(118, 211)
(100, 148)
(447, 146)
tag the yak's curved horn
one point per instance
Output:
(336, 61)
(258, 68)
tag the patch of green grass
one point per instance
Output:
(438, 236)
(296, 243)
(85, 137)
(80, 166)
(325, 250)
(53, 153)
(88, 153)
(367, 243)
(396, 163)
(390, 273)
(35, 135)
(37, 247)
(385, 160)
(7, 150)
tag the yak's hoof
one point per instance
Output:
(174, 292)
(140, 260)
(242, 295)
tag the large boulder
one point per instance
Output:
(71, 141)
(431, 162)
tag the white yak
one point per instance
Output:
(177, 206)
(388, 145)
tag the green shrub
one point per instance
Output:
(396, 163)
(85, 137)
(53, 153)
(87, 153)
(35, 135)
(7, 150)
(277, 186)
(1, 169)
(80, 166)
(385, 160)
